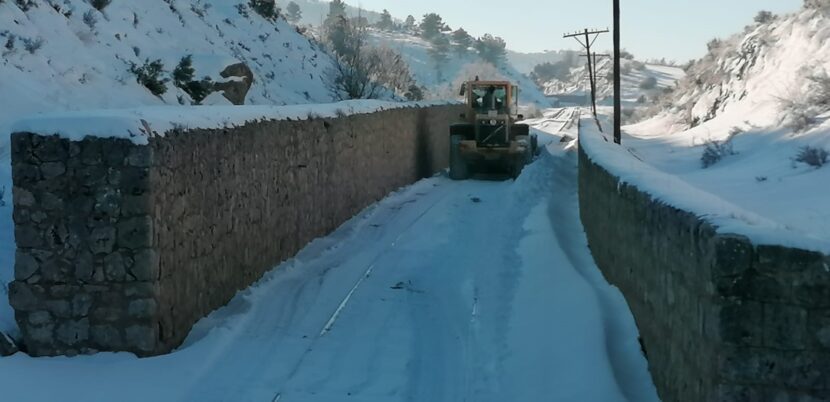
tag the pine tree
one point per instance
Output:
(337, 9)
(385, 23)
(439, 53)
(492, 49)
(409, 24)
(431, 26)
(293, 12)
(462, 41)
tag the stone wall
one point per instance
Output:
(123, 247)
(721, 318)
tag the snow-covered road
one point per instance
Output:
(445, 291)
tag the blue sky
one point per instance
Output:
(675, 29)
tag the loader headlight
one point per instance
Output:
(492, 122)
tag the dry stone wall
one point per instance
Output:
(721, 318)
(123, 247)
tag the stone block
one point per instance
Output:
(102, 240)
(141, 337)
(146, 265)
(25, 265)
(73, 332)
(785, 327)
(108, 337)
(135, 233)
(142, 308)
(25, 297)
(733, 255)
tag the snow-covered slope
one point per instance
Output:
(444, 82)
(314, 12)
(635, 80)
(82, 65)
(751, 108)
(525, 62)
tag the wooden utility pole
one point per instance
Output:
(589, 41)
(617, 89)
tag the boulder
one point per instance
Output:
(238, 80)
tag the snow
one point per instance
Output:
(139, 124)
(731, 198)
(446, 82)
(744, 92)
(83, 68)
(427, 295)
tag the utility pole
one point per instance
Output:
(617, 89)
(589, 41)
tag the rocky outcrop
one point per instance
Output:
(238, 80)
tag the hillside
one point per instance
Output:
(751, 122)
(525, 62)
(444, 81)
(640, 82)
(314, 11)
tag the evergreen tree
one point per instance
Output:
(439, 53)
(492, 49)
(293, 12)
(461, 40)
(409, 24)
(431, 26)
(385, 23)
(337, 9)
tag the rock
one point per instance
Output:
(135, 233)
(106, 336)
(114, 267)
(237, 89)
(102, 240)
(7, 345)
(23, 297)
(73, 332)
(51, 149)
(81, 303)
(40, 318)
(25, 265)
(142, 308)
(22, 197)
(52, 169)
(27, 237)
(141, 337)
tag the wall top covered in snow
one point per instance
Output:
(673, 191)
(139, 124)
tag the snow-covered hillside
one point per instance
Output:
(71, 56)
(314, 12)
(640, 81)
(751, 123)
(444, 81)
(525, 62)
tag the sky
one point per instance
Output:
(674, 29)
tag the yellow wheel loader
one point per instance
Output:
(490, 141)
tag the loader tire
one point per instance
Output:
(459, 169)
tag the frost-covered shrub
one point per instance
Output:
(817, 4)
(26, 5)
(815, 157)
(414, 93)
(149, 76)
(32, 45)
(799, 112)
(649, 83)
(266, 8)
(100, 4)
(183, 78)
(764, 17)
(714, 151)
(90, 19)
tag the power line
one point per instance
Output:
(590, 37)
